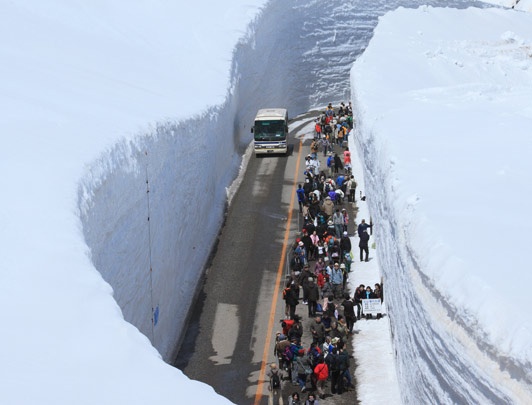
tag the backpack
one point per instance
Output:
(327, 188)
(275, 381)
(287, 354)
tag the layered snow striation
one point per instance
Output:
(444, 130)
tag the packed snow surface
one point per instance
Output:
(372, 338)
(76, 78)
(442, 100)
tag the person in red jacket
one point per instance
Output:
(321, 371)
(318, 131)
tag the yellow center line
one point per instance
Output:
(273, 308)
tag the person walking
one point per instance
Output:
(313, 296)
(326, 292)
(328, 207)
(291, 296)
(337, 280)
(349, 312)
(363, 245)
(325, 144)
(338, 221)
(317, 330)
(345, 244)
(318, 131)
(321, 371)
(275, 376)
(300, 197)
(334, 368)
(343, 366)
(351, 189)
(338, 165)
(330, 164)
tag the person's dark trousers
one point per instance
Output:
(359, 310)
(305, 294)
(340, 383)
(312, 309)
(350, 321)
(300, 206)
(362, 250)
(335, 375)
(292, 311)
(352, 195)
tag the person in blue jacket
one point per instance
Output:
(339, 181)
(363, 227)
(300, 197)
(330, 164)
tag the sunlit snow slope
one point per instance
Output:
(442, 99)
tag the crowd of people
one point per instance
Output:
(320, 264)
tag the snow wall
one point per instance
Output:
(434, 130)
(296, 56)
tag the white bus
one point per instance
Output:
(270, 131)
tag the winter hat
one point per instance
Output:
(342, 266)
(345, 233)
(335, 340)
(273, 365)
(301, 243)
(330, 222)
(327, 198)
(326, 259)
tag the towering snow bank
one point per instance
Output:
(442, 99)
(77, 77)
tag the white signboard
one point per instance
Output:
(372, 306)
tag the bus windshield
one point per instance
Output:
(269, 131)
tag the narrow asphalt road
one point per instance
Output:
(226, 335)
(224, 342)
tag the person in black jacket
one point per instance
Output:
(358, 299)
(349, 312)
(338, 165)
(296, 331)
(363, 245)
(291, 296)
(313, 295)
(345, 244)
